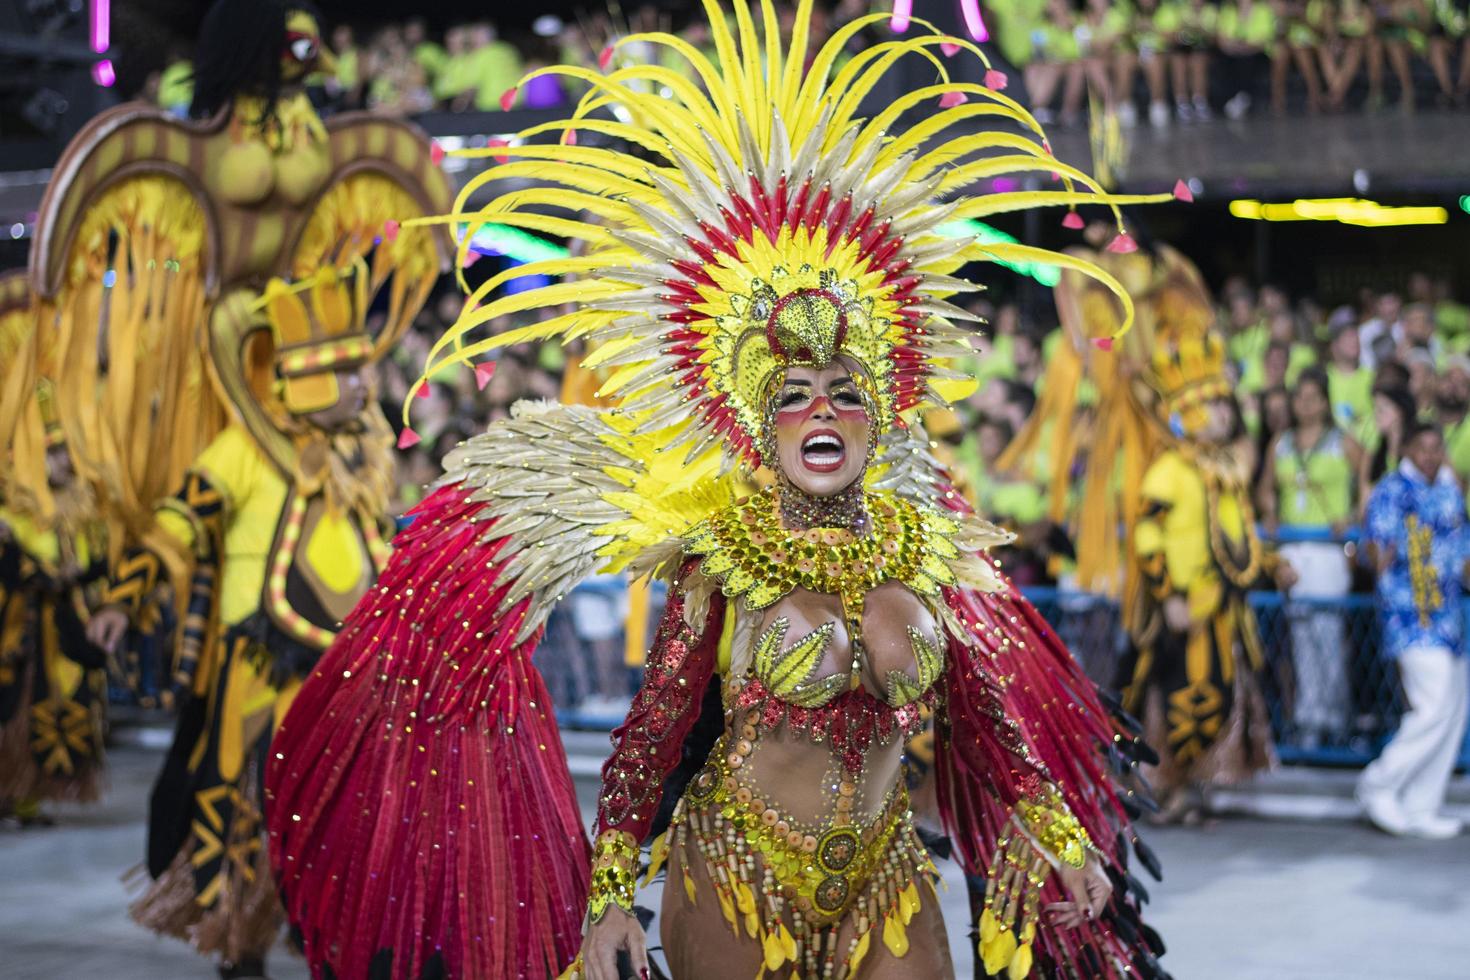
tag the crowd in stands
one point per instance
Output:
(1186, 60)
(1160, 60)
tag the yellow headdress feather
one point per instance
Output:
(762, 224)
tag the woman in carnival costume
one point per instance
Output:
(210, 281)
(1164, 521)
(52, 548)
(766, 282)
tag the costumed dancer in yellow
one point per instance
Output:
(210, 280)
(1164, 519)
(53, 689)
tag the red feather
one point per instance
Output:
(418, 798)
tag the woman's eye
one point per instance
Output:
(790, 398)
(847, 398)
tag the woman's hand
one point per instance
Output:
(107, 627)
(1089, 889)
(616, 930)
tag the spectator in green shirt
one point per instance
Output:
(430, 55)
(1300, 40)
(1056, 57)
(1246, 33)
(1451, 402)
(1146, 48)
(457, 80)
(1014, 25)
(1349, 383)
(1350, 42)
(1309, 485)
(176, 86)
(498, 67)
(1282, 338)
(346, 84)
(1188, 29)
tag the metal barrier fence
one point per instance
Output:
(1334, 699)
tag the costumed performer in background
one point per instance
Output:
(767, 282)
(1165, 520)
(53, 687)
(210, 281)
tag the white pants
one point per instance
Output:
(1319, 647)
(1414, 768)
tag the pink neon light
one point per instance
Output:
(902, 11)
(101, 25)
(974, 23)
(103, 74)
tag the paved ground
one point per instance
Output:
(1243, 899)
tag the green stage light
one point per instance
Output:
(515, 244)
(522, 246)
(1047, 275)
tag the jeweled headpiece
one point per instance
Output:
(1188, 356)
(318, 327)
(761, 222)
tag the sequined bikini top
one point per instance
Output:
(752, 555)
(790, 674)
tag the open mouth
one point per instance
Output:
(823, 451)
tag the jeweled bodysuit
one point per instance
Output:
(798, 823)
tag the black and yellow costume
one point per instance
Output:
(226, 266)
(1162, 513)
(1196, 691)
(52, 680)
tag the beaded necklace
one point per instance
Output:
(750, 551)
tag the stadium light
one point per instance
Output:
(902, 11)
(101, 35)
(974, 22)
(1345, 210)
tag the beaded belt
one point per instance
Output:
(822, 872)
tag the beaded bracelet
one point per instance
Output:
(1050, 822)
(614, 873)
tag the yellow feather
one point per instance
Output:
(1020, 963)
(689, 888)
(775, 953)
(895, 936)
(657, 854)
(998, 952)
(989, 926)
(859, 953)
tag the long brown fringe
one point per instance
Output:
(243, 922)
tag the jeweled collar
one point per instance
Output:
(747, 549)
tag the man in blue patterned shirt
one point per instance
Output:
(1416, 537)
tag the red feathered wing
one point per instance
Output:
(422, 819)
(1020, 711)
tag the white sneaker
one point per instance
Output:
(1385, 813)
(1044, 115)
(1238, 106)
(1202, 109)
(1158, 115)
(1435, 827)
(1127, 115)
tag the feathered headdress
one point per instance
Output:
(755, 221)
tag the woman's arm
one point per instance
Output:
(646, 748)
